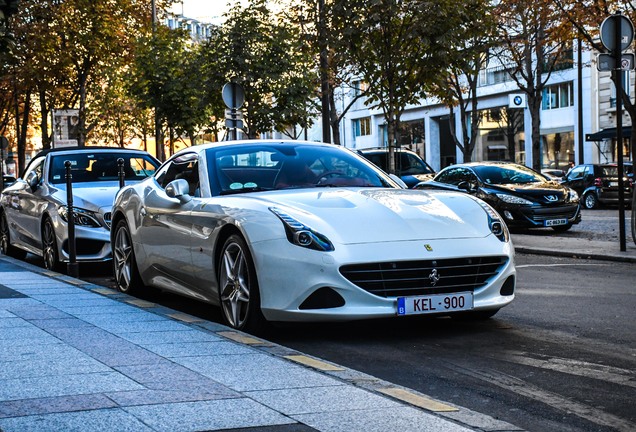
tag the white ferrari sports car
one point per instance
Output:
(300, 231)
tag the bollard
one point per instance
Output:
(71, 268)
(120, 172)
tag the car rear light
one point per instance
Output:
(598, 182)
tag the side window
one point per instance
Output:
(37, 166)
(577, 173)
(184, 167)
(452, 176)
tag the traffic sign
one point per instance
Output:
(606, 62)
(608, 32)
(233, 95)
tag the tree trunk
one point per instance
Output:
(44, 124)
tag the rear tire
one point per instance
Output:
(50, 254)
(238, 287)
(590, 201)
(127, 277)
(5, 240)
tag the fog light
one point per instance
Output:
(508, 215)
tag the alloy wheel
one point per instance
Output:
(590, 201)
(4, 235)
(234, 282)
(49, 246)
(126, 276)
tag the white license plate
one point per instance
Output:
(613, 184)
(435, 303)
(555, 222)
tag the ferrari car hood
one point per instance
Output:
(90, 196)
(373, 215)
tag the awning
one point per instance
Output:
(608, 133)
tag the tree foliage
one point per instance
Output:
(536, 40)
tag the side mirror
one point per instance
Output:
(32, 180)
(179, 189)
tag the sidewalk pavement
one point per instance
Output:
(78, 357)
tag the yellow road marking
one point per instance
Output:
(141, 303)
(184, 317)
(417, 400)
(308, 361)
(238, 337)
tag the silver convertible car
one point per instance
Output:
(300, 231)
(33, 211)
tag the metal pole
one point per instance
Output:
(324, 78)
(71, 267)
(619, 127)
(120, 173)
(158, 138)
(580, 97)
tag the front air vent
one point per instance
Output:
(409, 278)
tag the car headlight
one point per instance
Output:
(573, 196)
(497, 226)
(511, 199)
(301, 235)
(80, 216)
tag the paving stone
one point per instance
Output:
(192, 349)
(50, 386)
(52, 351)
(169, 336)
(256, 372)
(126, 328)
(321, 399)
(12, 321)
(154, 397)
(45, 366)
(88, 421)
(59, 404)
(208, 415)
(380, 420)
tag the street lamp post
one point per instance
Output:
(158, 138)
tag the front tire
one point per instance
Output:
(238, 287)
(50, 254)
(5, 240)
(127, 277)
(590, 201)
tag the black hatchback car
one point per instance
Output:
(409, 166)
(523, 197)
(597, 184)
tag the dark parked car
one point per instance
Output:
(522, 196)
(597, 184)
(33, 211)
(411, 168)
(7, 180)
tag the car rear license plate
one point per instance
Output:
(555, 222)
(613, 184)
(435, 303)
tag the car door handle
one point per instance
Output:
(143, 212)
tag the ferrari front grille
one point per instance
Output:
(410, 278)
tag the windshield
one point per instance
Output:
(271, 166)
(100, 166)
(508, 174)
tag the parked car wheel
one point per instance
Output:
(5, 240)
(49, 247)
(127, 278)
(238, 287)
(590, 201)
